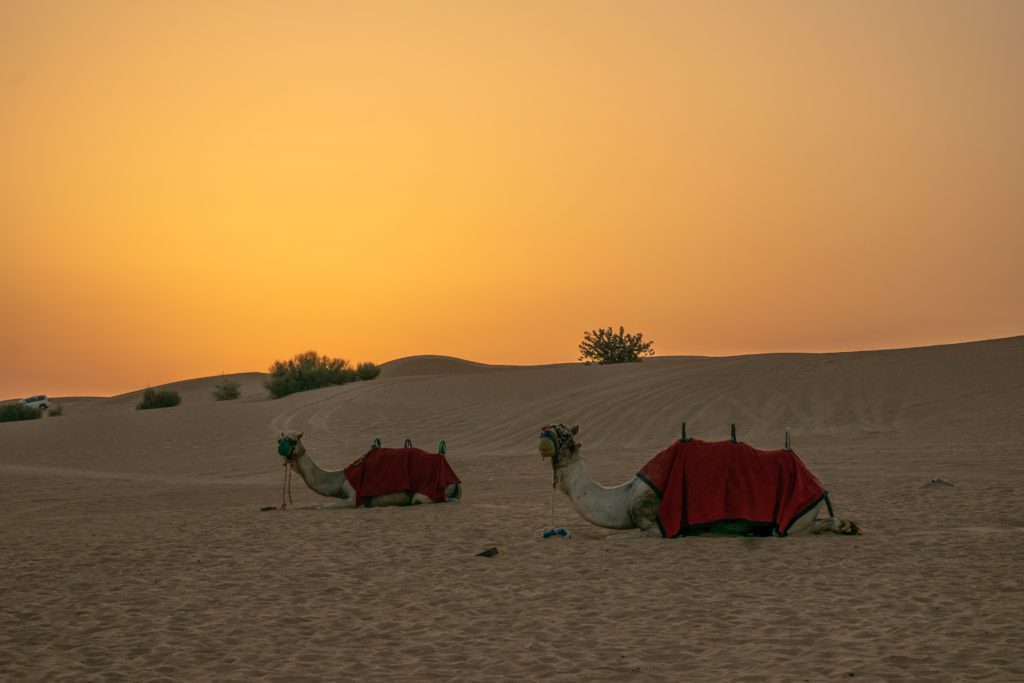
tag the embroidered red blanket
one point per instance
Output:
(702, 482)
(389, 470)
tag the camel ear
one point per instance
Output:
(575, 430)
(299, 437)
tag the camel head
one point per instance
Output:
(290, 447)
(558, 443)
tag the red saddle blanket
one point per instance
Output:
(390, 470)
(703, 482)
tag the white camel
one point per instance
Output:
(335, 484)
(634, 504)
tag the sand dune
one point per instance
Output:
(133, 547)
(433, 365)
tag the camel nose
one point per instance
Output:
(546, 448)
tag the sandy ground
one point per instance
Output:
(133, 547)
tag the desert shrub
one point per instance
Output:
(605, 346)
(12, 412)
(307, 371)
(367, 371)
(158, 398)
(56, 410)
(228, 390)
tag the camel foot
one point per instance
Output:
(848, 528)
(842, 526)
(835, 525)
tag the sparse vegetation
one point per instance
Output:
(604, 346)
(12, 412)
(310, 370)
(56, 410)
(367, 371)
(228, 390)
(158, 398)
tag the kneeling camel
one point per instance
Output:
(636, 504)
(370, 491)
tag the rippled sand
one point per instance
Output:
(133, 546)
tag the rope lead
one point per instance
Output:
(287, 485)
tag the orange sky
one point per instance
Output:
(189, 188)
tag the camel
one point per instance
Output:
(335, 483)
(634, 505)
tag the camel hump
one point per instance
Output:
(706, 482)
(392, 470)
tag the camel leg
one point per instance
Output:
(343, 504)
(809, 523)
(390, 500)
(645, 528)
(452, 493)
(834, 525)
(650, 532)
(420, 499)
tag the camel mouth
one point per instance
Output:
(285, 447)
(553, 438)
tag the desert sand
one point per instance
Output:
(133, 545)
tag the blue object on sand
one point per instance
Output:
(560, 531)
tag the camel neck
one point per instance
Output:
(606, 507)
(324, 482)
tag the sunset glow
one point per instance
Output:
(190, 188)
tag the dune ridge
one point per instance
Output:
(134, 547)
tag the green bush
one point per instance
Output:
(307, 371)
(227, 390)
(158, 398)
(12, 412)
(607, 346)
(367, 371)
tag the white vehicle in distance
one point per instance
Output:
(41, 402)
